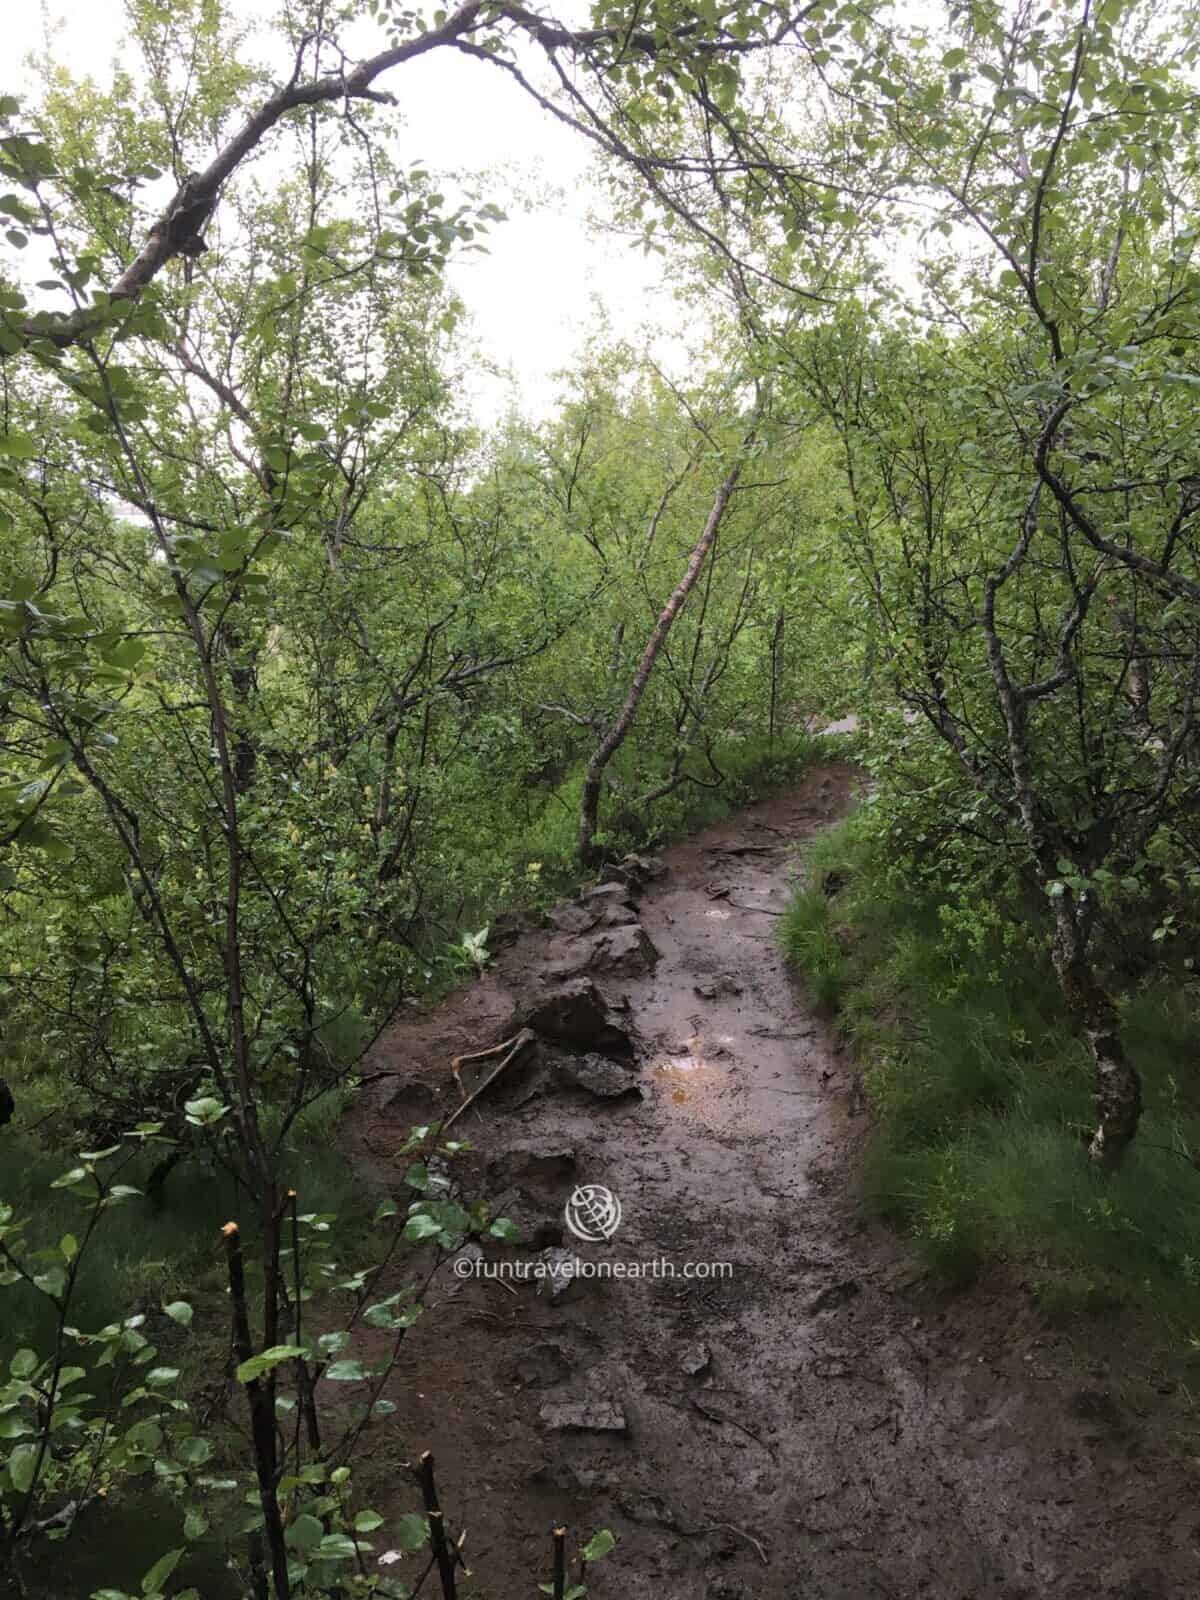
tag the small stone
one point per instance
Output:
(559, 1274)
(916, 1322)
(695, 1359)
(583, 1416)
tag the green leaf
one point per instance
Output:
(22, 1464)
(264, 1362)
(179, 1311)
(411, 1532)
(367, 1522)
(195, 1524)
(602, 1542)
(305, 1533)
(204, 1112)
(421, 1227)
(162, 1569)
(24, 1364)
(69, 1179)
(346, 1371)
(337, 1547)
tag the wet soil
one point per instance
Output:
(822, 1423)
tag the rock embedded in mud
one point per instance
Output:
(574, 919)
(576, 1013)
(628, 951)
(715, 988)
(695, 1360)
(559, 1276)
(636, 870)
(583, 1416)
(598, 1075)
(606, 895)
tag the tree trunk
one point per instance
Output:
(614, 738)
(1118, 1085)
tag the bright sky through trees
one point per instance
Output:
(549, 277)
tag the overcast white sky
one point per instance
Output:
(533, 297)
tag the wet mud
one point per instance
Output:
(817, 1421)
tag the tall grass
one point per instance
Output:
(982, 1094)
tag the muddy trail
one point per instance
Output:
(821, 1423)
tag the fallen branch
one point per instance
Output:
(514, 1046)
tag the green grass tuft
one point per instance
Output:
(982, 1095)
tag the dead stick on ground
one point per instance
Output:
(514, 1046)
(731, 1422)
(730, 1527)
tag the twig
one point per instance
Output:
(730, 1422)
(730, 1527)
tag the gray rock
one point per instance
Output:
(636, 870)
(607, 1080)
(627, 950)
(607, 894)
(576, 1013)
(583, 1416)
(574, 918)
(714, 988)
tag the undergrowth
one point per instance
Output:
(982, 1093)
(151, 1252)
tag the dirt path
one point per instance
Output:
(817, 1427)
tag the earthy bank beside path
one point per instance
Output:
(822, 1424)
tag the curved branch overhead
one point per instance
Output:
(178, 231)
